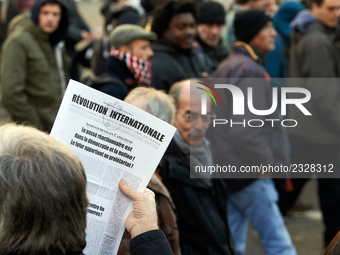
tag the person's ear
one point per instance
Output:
(124, 48)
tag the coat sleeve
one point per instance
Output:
(13, 84)
(152, 242)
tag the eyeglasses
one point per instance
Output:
(193, 117)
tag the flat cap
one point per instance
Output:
(126, 33)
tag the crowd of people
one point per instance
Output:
(151, 59)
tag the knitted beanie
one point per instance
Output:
(248, 23)
(209, 12)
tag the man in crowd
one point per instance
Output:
(34, 69)
(127, 65)
(200, 202)
(316, 139)
(251, 198)
(210, 22)
(177, 55)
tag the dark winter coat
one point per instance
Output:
(114, 81)
(171, 64)
(314, 55)
(214, 54)
(201, 211)
(152, 242)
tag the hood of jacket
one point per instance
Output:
(284, 16)
(61, 31)
(301, 21)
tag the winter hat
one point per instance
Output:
(248, 23)
(126, 33)
(209, 12)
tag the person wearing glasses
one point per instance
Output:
(200, 200)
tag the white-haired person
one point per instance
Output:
(162, 106)
(43, 199)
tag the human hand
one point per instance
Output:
(143, 218)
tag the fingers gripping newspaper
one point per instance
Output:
(114, 141)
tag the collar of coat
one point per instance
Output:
(249, 49)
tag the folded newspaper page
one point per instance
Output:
(114, 141)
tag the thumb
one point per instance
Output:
(128, 190)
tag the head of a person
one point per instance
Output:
(210, 22)
(271, 7)
(249, 4)
(175, 21)
(43, 198)
(326, 11)
(51, 16)
(155, 102)
(255, 27)
(188, 119)
(132, 39)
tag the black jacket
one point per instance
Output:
(214, 54)
(60, 34)
(171, 64)
(113, 82)
(201, 211)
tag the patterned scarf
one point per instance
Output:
(140, 68)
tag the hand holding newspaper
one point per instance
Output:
(114, 141)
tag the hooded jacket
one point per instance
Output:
(313, 55)
(31, 82)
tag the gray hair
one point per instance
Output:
(155, 102)
(175, 91)
(43, 198)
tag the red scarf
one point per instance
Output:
(140, 68)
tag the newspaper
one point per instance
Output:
(114, 141)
